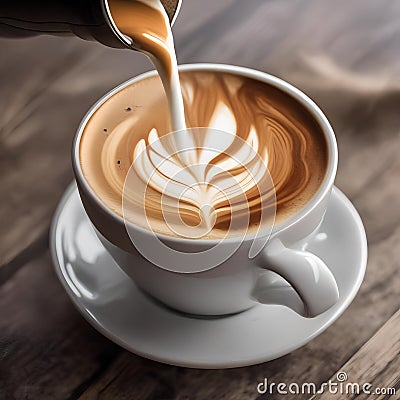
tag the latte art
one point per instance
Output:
(257, 149)
(225, 186)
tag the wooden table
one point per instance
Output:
(344, 54)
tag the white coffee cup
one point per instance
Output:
(280, 274)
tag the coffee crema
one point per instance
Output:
(282, 132)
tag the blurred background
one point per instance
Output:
(344, 54)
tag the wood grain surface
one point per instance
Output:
(344, 54)
(376, 362)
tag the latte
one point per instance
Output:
(241, 154)
(269, 122)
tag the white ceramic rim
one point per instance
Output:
(278, 83)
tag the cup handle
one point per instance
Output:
(315, 288)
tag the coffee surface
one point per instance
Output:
(271, 123)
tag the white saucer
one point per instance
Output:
(111, 302)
